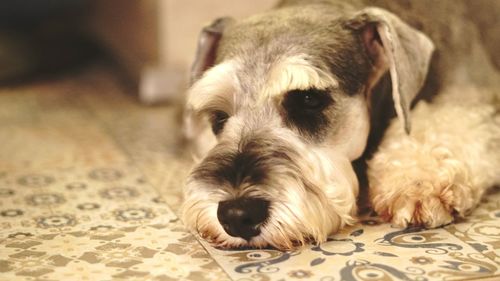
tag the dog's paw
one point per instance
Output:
(422, 203)
(421, 187)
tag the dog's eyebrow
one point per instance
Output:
(297, 73)
(215, 90)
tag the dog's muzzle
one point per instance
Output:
(243, 217)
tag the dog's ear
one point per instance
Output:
(395, 46)
(208, 41)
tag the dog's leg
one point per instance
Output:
(443, 168)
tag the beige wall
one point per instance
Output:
(155, 40)
(182, 20)
(129, 29)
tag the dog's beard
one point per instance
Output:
(310, 197)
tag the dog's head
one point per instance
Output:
(278, 109)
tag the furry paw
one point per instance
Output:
(421, 203)
(419, 187)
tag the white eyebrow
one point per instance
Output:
(215, 88)
(296, 73)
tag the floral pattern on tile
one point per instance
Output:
(481, 230)
(367, 251)
(100, 222)
(78, 198)
(148, 251)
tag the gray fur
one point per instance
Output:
(264, 39)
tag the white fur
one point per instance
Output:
(295, 73)
(350, 140)
(214, 91)
(217, 86)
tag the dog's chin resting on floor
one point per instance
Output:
(283, 102)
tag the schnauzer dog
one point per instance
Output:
(284, 103)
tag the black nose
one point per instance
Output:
(243, 217)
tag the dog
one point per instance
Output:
(290, 113)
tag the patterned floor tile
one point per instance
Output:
(77, 199)
(106, 223)
(368, 251)
(105, 252)
(149, 135)
(481, 230)
(73, 202)
(44, 126)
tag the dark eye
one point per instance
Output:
(311, 101)
(305, 110)
(307, 101)
(218, 119)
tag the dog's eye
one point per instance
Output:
(307, 101)
(311, 101)
(306, 110)
(218, 119)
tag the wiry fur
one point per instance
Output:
(440, 170)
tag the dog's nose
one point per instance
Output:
(243, 217)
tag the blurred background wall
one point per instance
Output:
(155, 40)
(40, 37)
(151, 41)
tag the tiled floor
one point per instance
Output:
(90, 182)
